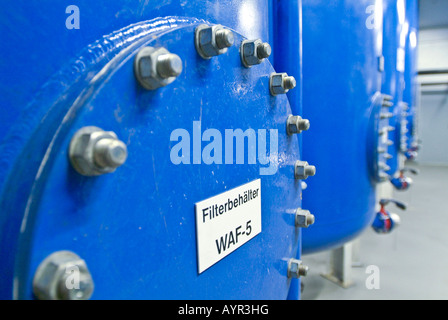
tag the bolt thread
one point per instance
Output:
(310, 170)
(303, 270)
(110, 153)
(263, 50)
(224, 38)
(310, 219)
(169, 65)
(289, 82)
(304, 124)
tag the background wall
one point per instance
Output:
(433, 56)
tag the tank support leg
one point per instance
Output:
(341, 266)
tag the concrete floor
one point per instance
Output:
(412, 260)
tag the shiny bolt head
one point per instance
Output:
(296, 269)
(156, 67)
(212, 41)
(93, 151)
(281, 83)
(303, 170)
(295, 124)
(63, 275)
(304, 218)
(254, 52)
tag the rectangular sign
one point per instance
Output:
(227, 221)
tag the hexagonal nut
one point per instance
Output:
(145, 68)
(295, 124)
(296, 269)
(249, 56)
(206, 41)
(63, 276)
(81, 150)
(281, 83)
(303, 170)
(304, 218)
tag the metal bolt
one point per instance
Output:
(264, 50)
(390, 128)
(289, 82)
(387, 156)
(387, 97)
(383, 166)
(224, 38)
(212, 41)
(303, 170)
(280, 83)
(254, 51)
(296, 269)
(63, 275)
(304, 218)
(295, 124)
(387, 104)
(110, 153)
(94, 151)
(386, 115)
(156, 67)
(405, 105)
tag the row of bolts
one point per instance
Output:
(94, 151)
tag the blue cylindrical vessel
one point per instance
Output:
(394, 39)
(288, 58)
(410, 74)
(24, 69)
(342, 48)
(135, 228)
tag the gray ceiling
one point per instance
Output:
(433, 13)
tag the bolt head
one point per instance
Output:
(206, 42)
(253, 52)
(53, 278)
(84, 155)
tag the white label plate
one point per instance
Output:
(227, 221)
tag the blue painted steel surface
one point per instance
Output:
(394, 39)
(411, 85)
(135, 227)
(288, 58)
(38, 34)
(342, 100)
